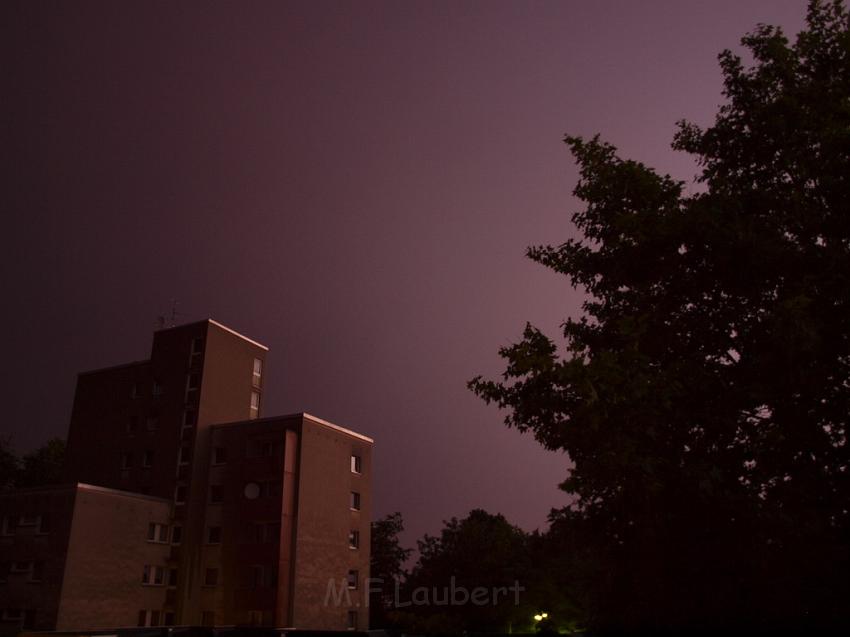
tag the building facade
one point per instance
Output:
(267, 518)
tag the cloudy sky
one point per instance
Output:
(351, 183)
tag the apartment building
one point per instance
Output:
(267, 519)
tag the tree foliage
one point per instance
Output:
(387, 560)
(704, 394)
(40, 467)
(8, 463)
(481, 550)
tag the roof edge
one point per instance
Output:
(235, 333)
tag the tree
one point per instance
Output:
(481, 551)
(42, 466)
(8, 463)
(704, 394)
(386, 566)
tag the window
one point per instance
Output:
(152, 422)
(190, 418)
(352, 579)
(134, 390)
(21, 567)
(183, 455)
(265, 449)
(158, 533)
(216, 494)
(36, 573)
(147, 459)
(193, 383)
(354, 539)
(263, 576)
(208, 618)
(5, 567)
(196, 351)
(255, 617)
(168, 618)
(219, 455)
(132, 424)
(148, 618)
(255, 404)
(352, 620)
(13, 615)
(213, 535)
(180, 494)
(355, 501)
(156, 389)
(153, 575)
(172, 578)
(126, 460)
(43, 525)
(265, 532)
(211, 577)
(258, 372)
(356, 464)
(183, 472)
(177, 534)
(9, 524)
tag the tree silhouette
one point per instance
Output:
(704, 394)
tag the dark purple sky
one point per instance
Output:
(350, 183)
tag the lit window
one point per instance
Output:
(355, 501)
(255, 404)
(213, 535)
(352, 620)
(352, 579)
(211, 577)
(356, 464)
(126, 460)
(354, 539)
(147, 458)
(219, 455)
(258, 372)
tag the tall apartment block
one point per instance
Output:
(183, 505)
